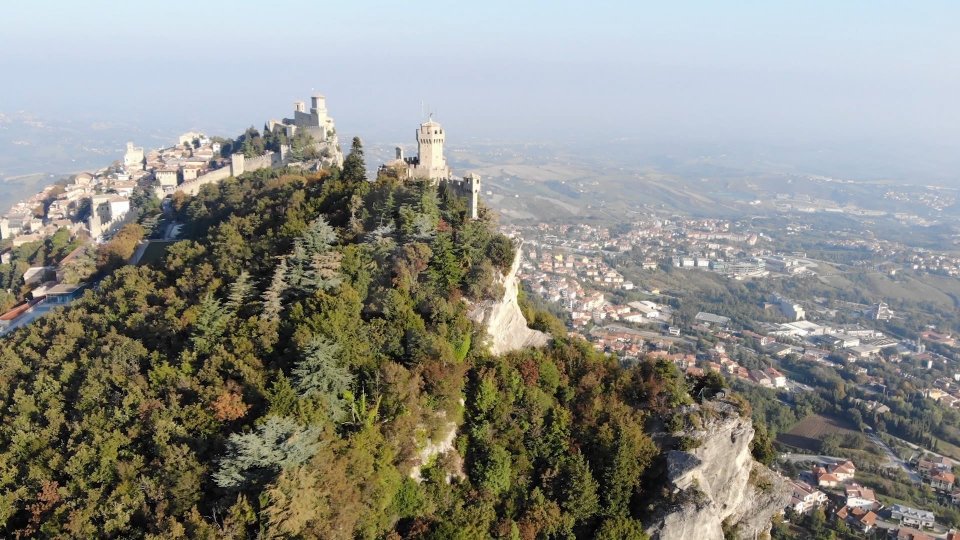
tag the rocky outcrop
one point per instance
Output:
(717, 486)
(506, 326)
(436, 448)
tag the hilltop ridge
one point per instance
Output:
(301, 363)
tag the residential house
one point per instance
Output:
(942, 481)
(36, 275)
(907, 533)
(761, 378)
(806, 497)
(778, 379)
(861, 497)
(911, 517)
(928, 465)
(862, 519)
(64, 293)
(843, 471)
(866, 522)
(824, 478)
(9, 318)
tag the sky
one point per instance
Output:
(869, 75)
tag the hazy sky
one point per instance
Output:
(845, 71)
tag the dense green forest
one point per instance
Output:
(279, 372)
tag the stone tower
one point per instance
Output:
(471, 184)
(237, 164)
(318, 106)
(431, 163)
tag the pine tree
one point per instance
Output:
(577, 489)
(356, 206)
(298, 267)
(445, 269)
(354, 166)
(210, 325)
(386, 209)
(239, 292)
(273, 296)
(276, 444)
(318, 237)
(321, 373)
(324, 272)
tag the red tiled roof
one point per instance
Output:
(15, 312)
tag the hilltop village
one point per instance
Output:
(90, 208)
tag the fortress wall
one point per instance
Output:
(259, 162)
(268, 160)
(193, 186)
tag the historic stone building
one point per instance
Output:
(133, 158)
(316, 122)
(430, 164)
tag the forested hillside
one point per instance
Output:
(279, 372)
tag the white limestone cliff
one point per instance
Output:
(506, 327)
(507, 331)
(718, 486)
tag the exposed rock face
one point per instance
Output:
(718, 484)
(505, 323)
(434, 449)
(330, 151)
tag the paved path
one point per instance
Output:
(894, 460)
(920, 449)
(811, 458)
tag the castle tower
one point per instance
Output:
(237, 164)
(299, 106)
(472, 185)
(318, 106)
(431, 163)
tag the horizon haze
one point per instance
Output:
(863, 83)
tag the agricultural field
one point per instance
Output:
(808, 433)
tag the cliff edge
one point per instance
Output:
(717, 487)
(506, 327)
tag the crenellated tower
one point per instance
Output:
(430, 161)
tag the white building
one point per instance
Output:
(806, 497)
(912, 517)
(860, 497)
(133, 158)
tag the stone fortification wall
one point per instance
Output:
(193, 186)
(268, 160)
(261, 162)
